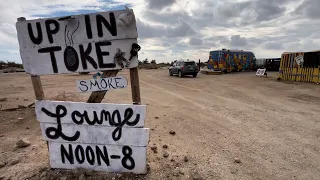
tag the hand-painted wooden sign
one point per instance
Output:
(299, 60)
(108, 158)
(99, 134)
(101, 84)
(260, 72)
(107, 137)
(80, 43)
(90, 113)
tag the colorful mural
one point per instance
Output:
(231, 60)
(300, 66)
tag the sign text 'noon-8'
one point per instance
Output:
(106, 137)
(80, 43)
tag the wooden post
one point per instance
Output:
(97, 97)
(199, 65)
(135, 86)
(35, 79)
(37, 87)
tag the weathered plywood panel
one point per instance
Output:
(80, 43)
(95, 134)
(109, 158)
(260, 72)
(105, 114)
(77, 29)
(101, 84)
(85, 57)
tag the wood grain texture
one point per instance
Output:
(38, 63)
(100, 134)
(139, 111)
(77, 30)
(135, 86)
(37, 87)
(139, 155)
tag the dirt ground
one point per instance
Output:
(232, 126)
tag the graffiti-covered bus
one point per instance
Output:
(231, 60)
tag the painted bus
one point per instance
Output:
(231, 60)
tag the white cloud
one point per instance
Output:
(182, 29)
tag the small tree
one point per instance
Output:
(153, 61)
(139, 62)
(146, 61)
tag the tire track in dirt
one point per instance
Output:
(261, 134)
(210, 123)
(174, 94)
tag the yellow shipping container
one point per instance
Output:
(300, 66)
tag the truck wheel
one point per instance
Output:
(170, 73)
(195, 75)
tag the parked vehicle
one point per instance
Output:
(271, 64)
(182, 68)
(231, 60)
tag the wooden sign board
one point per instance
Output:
(81, 43)
(94, 136)
(101, 84)
(299, 60)
(102, 137)
(90, 113)
(260, 72)
(99, 134)
(109, 158)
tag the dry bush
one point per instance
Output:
(149, 66)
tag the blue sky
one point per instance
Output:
(186, 29)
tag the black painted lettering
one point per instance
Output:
(39, 38)
(110, 83)
(75, 114)
(79, 153)
(71, 59)
(117, 82)
(83, 83)
(50, 31)
(66, 154)
(114, 120)
(90, 155)
(116, 134)
(101, 53)
(95, 84)
(115, 115)
(105, 115)
(112, 26)
(95, 119)
(85, 56)
(127, 152)
(128, 113)
(102, 155)
(61, 111)
(51, 50)
(103, 81)
(88, 26)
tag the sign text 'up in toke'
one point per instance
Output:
(80, 43)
